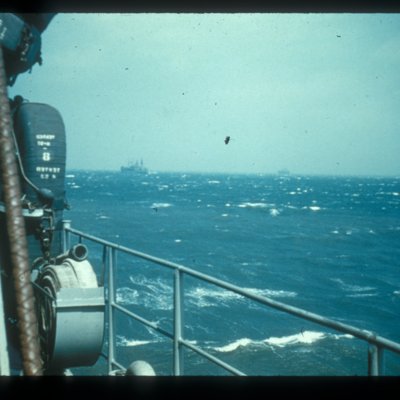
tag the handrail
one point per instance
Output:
(376, 343)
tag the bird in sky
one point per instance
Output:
(227, 139)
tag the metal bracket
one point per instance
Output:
(45, 230)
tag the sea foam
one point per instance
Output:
(306, 337)
(124, 342)
(126, 295)
(235, 345)
(352, 288)
(274, 212)
(207, 297)
(160, 205)
(155, 294)
(253, 205)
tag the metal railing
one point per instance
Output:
(376, 344)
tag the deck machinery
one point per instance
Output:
(51, 313)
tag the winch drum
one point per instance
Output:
(71, 319)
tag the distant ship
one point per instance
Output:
(135, 169)
(284, 172)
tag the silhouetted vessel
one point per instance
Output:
(284, 172)
(135, 169)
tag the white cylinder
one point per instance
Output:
(140, 368)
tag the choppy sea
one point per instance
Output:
(329, 245)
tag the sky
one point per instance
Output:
(311, 93)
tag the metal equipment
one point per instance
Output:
(71, 311)
(52, 309)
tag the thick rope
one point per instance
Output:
(24, 294)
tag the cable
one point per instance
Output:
(24, 294)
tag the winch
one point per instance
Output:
(70, 311)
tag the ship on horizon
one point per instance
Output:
(136, 168)
(284, 172)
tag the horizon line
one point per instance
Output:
(276, 174)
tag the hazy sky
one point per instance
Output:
(314, 93)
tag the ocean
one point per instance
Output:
(329, 245)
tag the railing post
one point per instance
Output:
(375, 360)
(65, 235)
(178, 322)
(110, 305)
(103, 266)
(4, 356)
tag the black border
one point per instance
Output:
(321, 388)
(197, 6)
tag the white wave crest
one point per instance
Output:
(271, 293)
(235, 345)
(124, 342)
(358, 291)
(342, 336)
(155, 294)
(126, 295)
(102, 217)
(357, 295)
(306, 337)
(206, 297)
(253, 205)
(203, 297)
(161, 205)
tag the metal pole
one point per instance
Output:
(178, 322)
(4, 357)
(103, 266)
(66, 236)
(110, 304)
(21, 269)
(375, 360)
